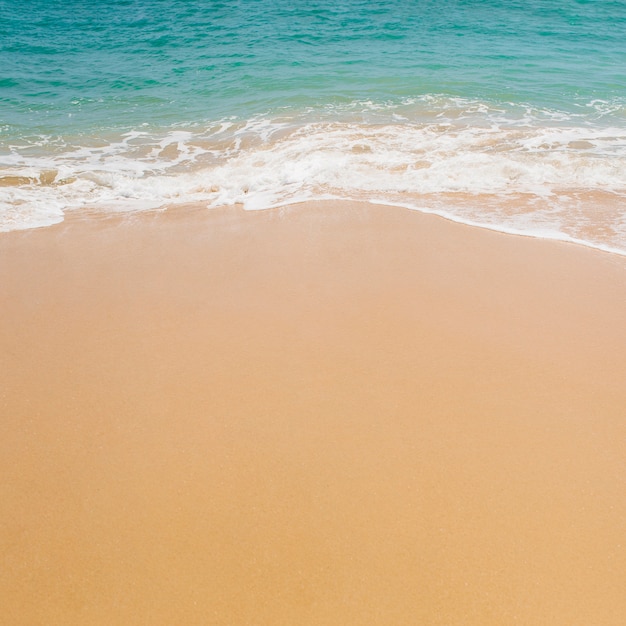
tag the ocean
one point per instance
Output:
(507, 115)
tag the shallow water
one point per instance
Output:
(509, 115)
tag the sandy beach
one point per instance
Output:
(323, 414)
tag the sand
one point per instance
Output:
(326, 414)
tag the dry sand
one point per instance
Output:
(328, 414)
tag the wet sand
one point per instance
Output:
(328, 414)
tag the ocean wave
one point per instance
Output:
(505, 165)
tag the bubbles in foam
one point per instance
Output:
(508, 166)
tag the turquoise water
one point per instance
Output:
(505, 114)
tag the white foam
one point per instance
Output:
(16, 216)
(463, 159)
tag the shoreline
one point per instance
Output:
(326, 413)
(550, 236)
(556, 237)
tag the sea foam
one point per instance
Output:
(509, 167)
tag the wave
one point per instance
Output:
(502, 165)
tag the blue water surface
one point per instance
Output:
(83, 67)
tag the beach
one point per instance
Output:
(329, 413)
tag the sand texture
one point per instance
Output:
(331, 414)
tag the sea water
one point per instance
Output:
(506, 114)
